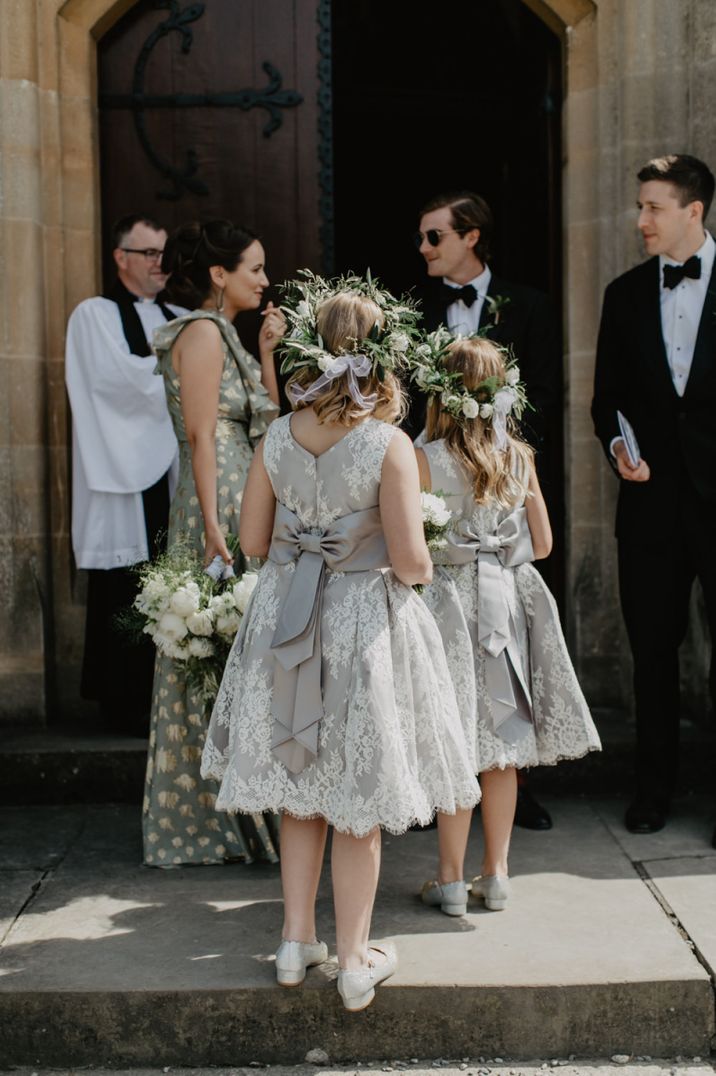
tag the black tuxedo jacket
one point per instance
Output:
(676, 434)
(527, 324)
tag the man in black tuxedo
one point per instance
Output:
(656, 364)
(462, 293)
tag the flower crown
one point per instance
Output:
(386, 347)
(492, 400)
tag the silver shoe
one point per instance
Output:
(292, 959)
(357, 988)
(452, 897)
(494, 889)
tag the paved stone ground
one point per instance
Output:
(422, 1067)
(608, 947)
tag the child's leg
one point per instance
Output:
(453, 832)
(355, 866)
(303, 842)
(499, 798)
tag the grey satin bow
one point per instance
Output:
(353, 543)
(510, 545)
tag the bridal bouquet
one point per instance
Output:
(191, 617)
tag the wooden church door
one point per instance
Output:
(212, 108)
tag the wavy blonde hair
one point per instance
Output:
(343, 321)
(501, 476)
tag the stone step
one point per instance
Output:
(104, 962)
(71, 764)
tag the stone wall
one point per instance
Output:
(640, 80)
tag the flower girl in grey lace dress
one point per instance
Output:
(529, 708)
(336, 706)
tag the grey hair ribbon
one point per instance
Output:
(353, 543)
(510, 545)
(502, 404)
(350, 363)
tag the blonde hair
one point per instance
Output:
(343, 321)
(501, 476)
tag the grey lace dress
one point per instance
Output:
(336, 700)
(179, 821)
(528, 708)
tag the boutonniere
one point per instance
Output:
(495, 304)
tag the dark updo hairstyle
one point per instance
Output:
(192, 249)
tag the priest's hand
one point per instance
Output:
(627, 471)
(215, 545)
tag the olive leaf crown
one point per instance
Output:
(427, 369)
(388, 347)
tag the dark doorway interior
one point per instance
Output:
(426, 99)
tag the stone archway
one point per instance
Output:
(50, 219)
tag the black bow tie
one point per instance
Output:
(449, 295)
(674, 274)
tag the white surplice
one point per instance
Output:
(122, 435)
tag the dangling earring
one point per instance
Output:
(219, 300)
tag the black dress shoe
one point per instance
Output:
(644, 816)
(530, 814)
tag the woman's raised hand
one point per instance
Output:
(273, 328)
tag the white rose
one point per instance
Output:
(200, 648)
(513, 375)
(452, 401)
(421, 374)
(326, 363)
(399, 342)
(185, 600)
(244, 589)
(434, 509)
(486, 410)
(228, 625)
(222, 604)
(172, 627)
(423, 351)
(303, 309)
(470, 408)
(201, 622)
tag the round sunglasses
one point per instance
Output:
(434, 235)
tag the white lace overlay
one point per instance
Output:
(392, 749)
(563, 726)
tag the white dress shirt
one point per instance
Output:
(466, 319)
(681, 309)
(122, 436)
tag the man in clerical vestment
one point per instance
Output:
(123, 454)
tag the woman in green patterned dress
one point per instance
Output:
(221, 402)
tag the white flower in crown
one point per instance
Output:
(185, 600)
(421, 374)
(303, 309)
(434, 509)
(512, 375)
(423, 351)
(326, 363)
(201, 622)
(244, 589)
(399, 342)
(470, 407)
(172, 627)
(486, 410)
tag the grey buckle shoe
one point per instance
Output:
(494, 889)
(357, 988)
(451, 897)
(292, 959)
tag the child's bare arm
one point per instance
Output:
(538, 519)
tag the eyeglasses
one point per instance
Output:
(150, 253)
(434, 235)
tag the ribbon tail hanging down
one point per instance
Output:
(297, 703)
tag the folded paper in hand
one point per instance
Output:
(632, 445)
